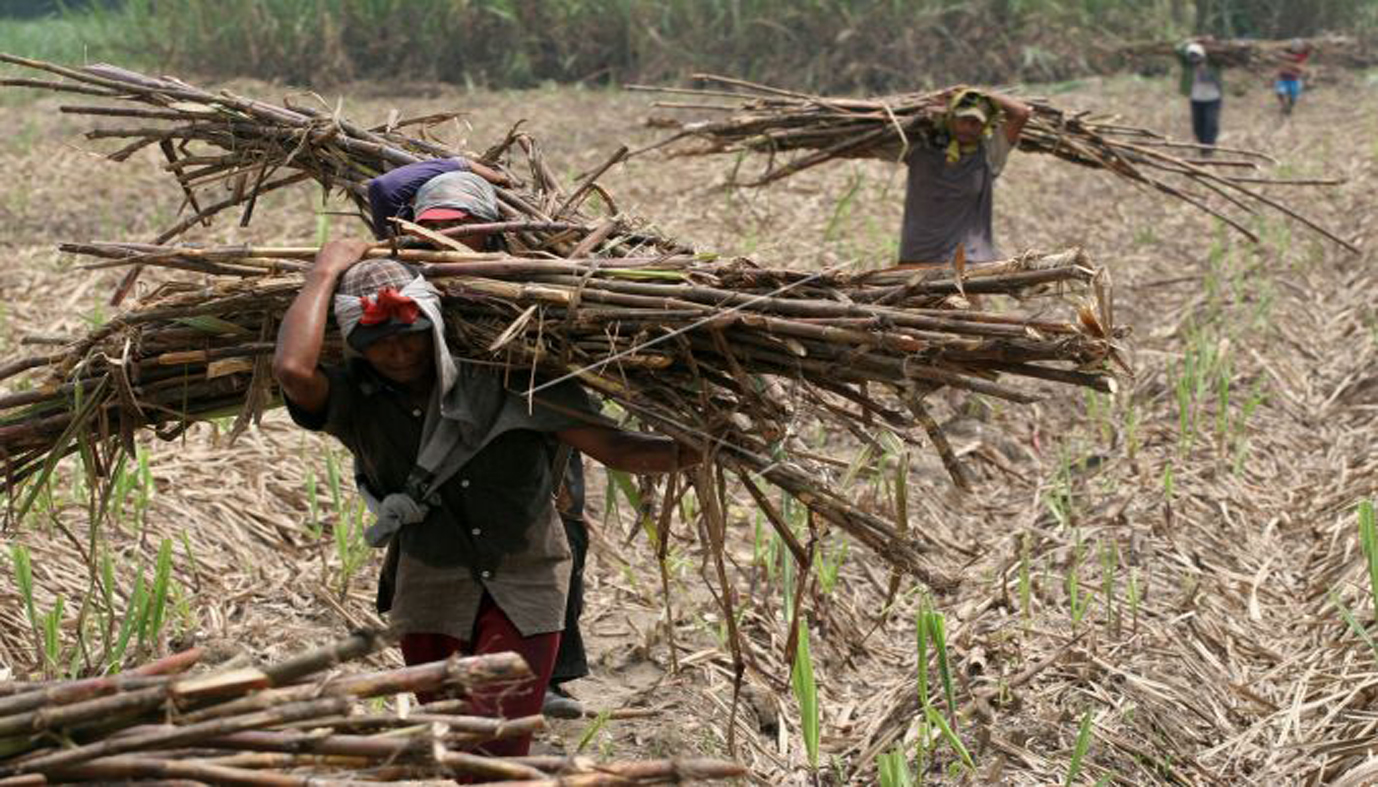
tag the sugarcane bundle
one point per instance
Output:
(1261, 53)
(684, 343)
(291, 723)
(724, 355)
(818, 129)
(225, 150)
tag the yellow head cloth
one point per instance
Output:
(968, 103)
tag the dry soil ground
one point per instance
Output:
(1168, 560)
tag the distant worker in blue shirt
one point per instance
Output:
(1291, 69)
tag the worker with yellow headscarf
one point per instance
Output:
(949, 197)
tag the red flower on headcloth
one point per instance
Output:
(389, 304)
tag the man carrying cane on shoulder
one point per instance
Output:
(459, 468)
(949, 197)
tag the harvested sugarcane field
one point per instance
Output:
(1085, 499)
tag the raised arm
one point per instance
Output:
(634, 452)
(1017, 113)
(296, 360)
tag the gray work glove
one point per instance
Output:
(393, 512)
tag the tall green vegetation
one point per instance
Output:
(74, 38)
(865, 45)
(30, 9)
(820, 44)
(1283, 18)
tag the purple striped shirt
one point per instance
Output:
(391, 194)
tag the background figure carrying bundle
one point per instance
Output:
(1202, 85)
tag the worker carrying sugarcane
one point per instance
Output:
(440, 194)
(1291, 69)
(949, 196)
(459, 465)
(1202, 85)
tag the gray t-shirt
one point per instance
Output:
(1205, 85)
(947, 204)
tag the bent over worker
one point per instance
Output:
(417, 192)
(950, 192)
(461, 468)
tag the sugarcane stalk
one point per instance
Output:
(469, 727)
(356, 645)
(456, 674)
(671, 770)
(126, 767)
(65, 693)
(177, 736)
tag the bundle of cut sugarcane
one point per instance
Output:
(818, 129)
(225, 150)
(687, 345)
(1259, 53)
(289, 723)
(724, 355)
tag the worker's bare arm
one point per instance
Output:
(633, 452)
(1016, 112)
(296, 360)
(488, 173)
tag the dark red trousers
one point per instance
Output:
(494, 632)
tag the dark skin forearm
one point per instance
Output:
(297, 356)
(1017, 113)
(632, 452)
(487, 173)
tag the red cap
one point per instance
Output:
(443, 214)
(389, 304)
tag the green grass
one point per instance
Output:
(931, 632)
(130, 605)
(1079, 750)
(75, 38)
(22, 565)
(1133, 594)
(1025, 580)
(351, 550)
(950, 735)
(1078, 600)
(831, 558)
(893, 770)
(1368, 540)
(806, 693)
(592, 730)
(1354, 625)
